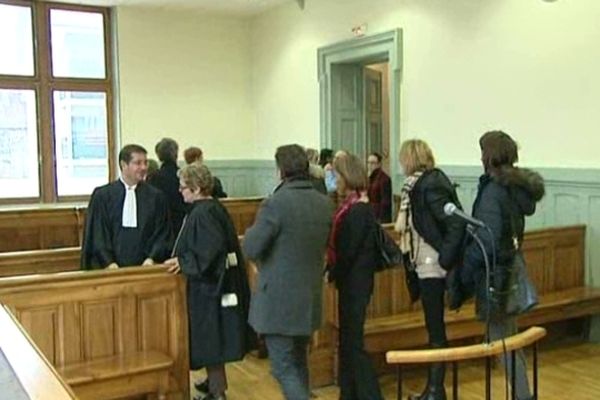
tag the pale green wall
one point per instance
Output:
(185, 75)
(529, 67)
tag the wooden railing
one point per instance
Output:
(485, 350)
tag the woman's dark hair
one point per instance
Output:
(325, 157)
(166, 150)
(292, 161)
(377, 155)
(498, 150)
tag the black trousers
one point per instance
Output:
(357, 378)
(432, 298)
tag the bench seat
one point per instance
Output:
(139, 373)
(407, 330)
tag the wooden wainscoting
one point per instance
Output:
(101, 326)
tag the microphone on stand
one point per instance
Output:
(451, 209)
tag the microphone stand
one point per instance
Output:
(472, 230)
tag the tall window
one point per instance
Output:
(56, 122)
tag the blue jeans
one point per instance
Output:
(503, 328)
(289, 364)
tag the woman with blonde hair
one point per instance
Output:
(352, 258)
(431, 244)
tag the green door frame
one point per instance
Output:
(386, 46)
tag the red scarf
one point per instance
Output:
(339, 216)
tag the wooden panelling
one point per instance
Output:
(36, 228)
(39, 261)
(100, 328)
(81, 318)
(35, 373)
(243, 211)
(43, 326)
(153, 323)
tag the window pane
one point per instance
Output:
(77, 44)
(18, 144)
(81, 139)
(16, 41)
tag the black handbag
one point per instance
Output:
(390, 254)
(512, 291)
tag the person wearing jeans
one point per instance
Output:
(506, 194)
(287, 242)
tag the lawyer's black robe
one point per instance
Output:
(217, 334)
(105, 239)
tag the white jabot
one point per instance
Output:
(129, 206)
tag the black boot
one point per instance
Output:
(435, 384)
(202, 386)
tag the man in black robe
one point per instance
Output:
(166, 180)
(127, 220)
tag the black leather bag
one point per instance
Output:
(512, 292)
(389, 253)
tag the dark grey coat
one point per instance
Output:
(288, 242)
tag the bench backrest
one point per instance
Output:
(554, 256)
(32, 228)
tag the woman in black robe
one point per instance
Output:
(208, 253)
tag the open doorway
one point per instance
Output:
(360, 119)
(360, 97)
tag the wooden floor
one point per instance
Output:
(568, 371)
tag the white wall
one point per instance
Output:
(187, 76)
(526, 66)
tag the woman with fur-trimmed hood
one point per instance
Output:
(505, 196)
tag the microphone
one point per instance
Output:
(452, 209)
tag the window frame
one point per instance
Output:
(43, 83)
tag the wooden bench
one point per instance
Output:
(555, 261)
(407, 330)
(38, 227)
(110, 334)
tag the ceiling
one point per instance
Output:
(233, 7)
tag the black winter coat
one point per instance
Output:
(445, 233)
(167, 181)
(513, 191)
